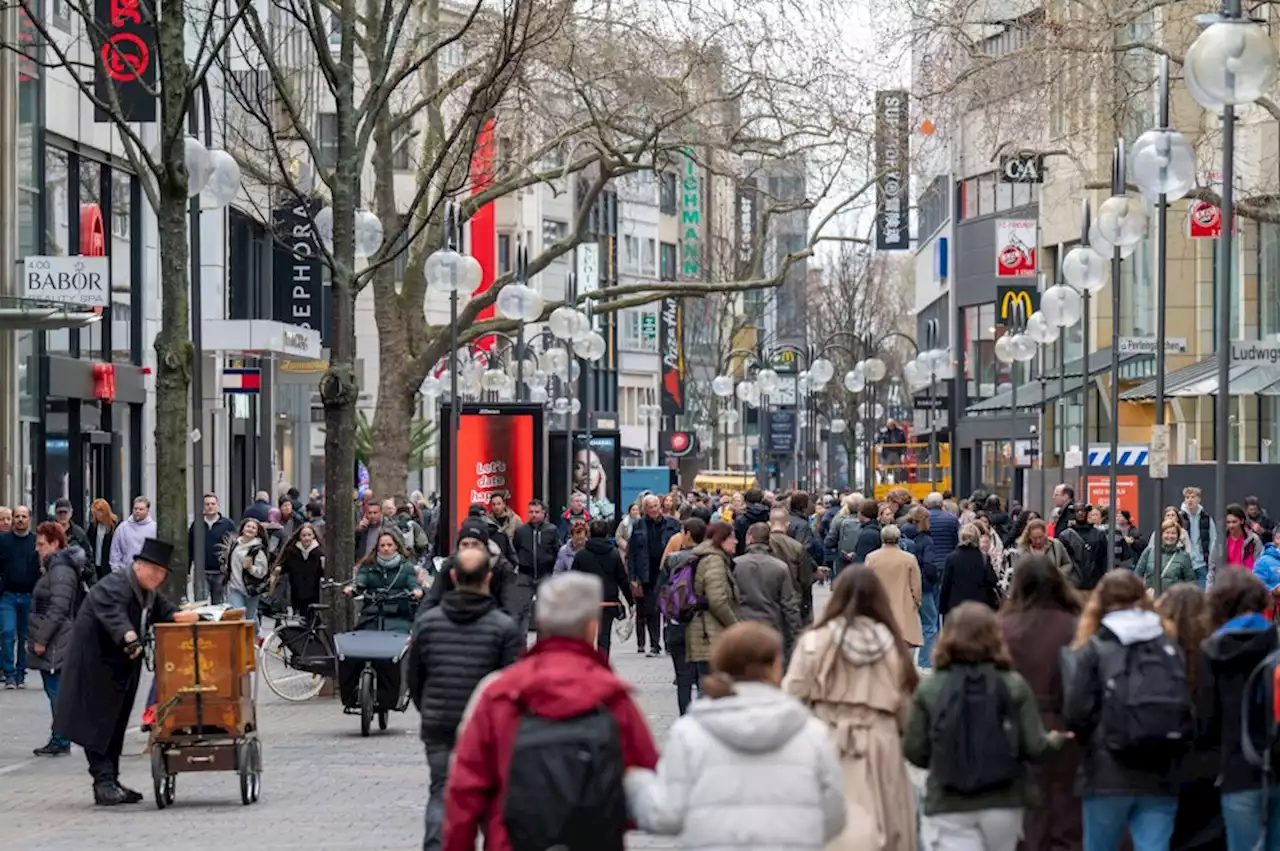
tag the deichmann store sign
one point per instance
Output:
(1015, 248)
(691, 220)
(893, 169)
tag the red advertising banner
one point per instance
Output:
(494, 456)
(1204, 221)
(1016, 248)
(1099, 493)
(484, 226)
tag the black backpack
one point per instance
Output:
(1146, 700)
(974, 735)
(1083, 559)
(1260, 716)
(564, 784)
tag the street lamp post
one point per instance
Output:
(1231, 63)
(1164, 165)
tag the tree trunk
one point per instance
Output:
(173, 342)
(339, 389)
(173, 382)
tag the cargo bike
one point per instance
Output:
(206, 718)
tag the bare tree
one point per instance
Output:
(582, 94)
(188, 38)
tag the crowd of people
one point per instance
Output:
(1058, 693)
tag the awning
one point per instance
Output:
(1033, 395)
(258, 337)
(18, 313)
(1201, 379)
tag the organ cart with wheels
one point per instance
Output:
(206, 719)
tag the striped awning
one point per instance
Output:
(1201, 379)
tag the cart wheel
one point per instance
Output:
(366, 702)
(256, 751)
(382, 719)
(160, 779)
(170, 788)
(244, 765)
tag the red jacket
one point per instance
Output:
(558, 678)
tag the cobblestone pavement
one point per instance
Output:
(324, 787)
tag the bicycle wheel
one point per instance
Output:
(366, 702)
(286, 681)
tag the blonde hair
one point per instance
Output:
(1190, 491)
(969, 535)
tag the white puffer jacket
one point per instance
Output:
(750, 771)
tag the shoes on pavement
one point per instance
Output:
(654, 654)
(52, 749)
(22, 685)
(130, 796)
(10, 686)
(640, 650)
(109, 795)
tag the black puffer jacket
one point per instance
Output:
(1230, 658)
(1101, 771)
(601, 558)
(868, 541)
(967, 577)
(501, 575)
(755, 512)
(53, 608)
(456, 645)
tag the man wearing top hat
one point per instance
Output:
(100, 678)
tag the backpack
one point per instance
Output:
(564, 784)
(847, 539)
(676, 599)
(1146, 700)
(974, 734)
(1083, 561)
(1260, 715)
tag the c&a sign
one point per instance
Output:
(126, 60)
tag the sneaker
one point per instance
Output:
(640, 650)
(10, 686)
(52, 750)
(654, 654)
(22, 685)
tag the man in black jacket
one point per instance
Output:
(75, 533)
(216, 529)
(536, 544)
(473, 534)
(455, 645)
(19, 570)
(649, 537)
(1087, 546)
(755, 512)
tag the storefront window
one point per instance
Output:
(1268, 279)
(1137, 292)
(121, 233)
(57, 228)
(980, 358)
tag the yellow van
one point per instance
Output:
(723, 481)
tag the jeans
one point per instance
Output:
(1148, 817)
(604, 635)
(929, 622)
(686, 677)
(239, 600)
(648, 617)
(1202, 575)
(976, 830)
(14, 611)
(51, 682)
(213, 579)
(438, 765)
(1242, 817)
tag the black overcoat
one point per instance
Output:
(99, 681)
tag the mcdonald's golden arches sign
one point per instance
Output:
(1013, 296)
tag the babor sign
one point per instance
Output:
(82, 280)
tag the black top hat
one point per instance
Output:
(157, 552)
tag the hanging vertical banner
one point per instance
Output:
(484, 225)
(1015, 248)
(893, 182)
(296, 274)
(126, 59)
(691, 220)
(671, 348)
(745, 218)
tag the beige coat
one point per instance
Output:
(852, 682)
(899, 573)
(714, 582)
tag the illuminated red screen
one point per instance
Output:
(494, 456)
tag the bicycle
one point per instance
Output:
(299, 654)
(370, 680)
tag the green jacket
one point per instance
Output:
(1033, 743)
(714, 582)
(1176, 568)
(374, 578)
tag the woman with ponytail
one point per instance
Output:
(748, 767)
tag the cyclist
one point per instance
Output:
(387, 570)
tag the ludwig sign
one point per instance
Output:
(84, 281)
(671, 349)
(126, 59)
(1022, 168)
(893, 184)
(1015, 248)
